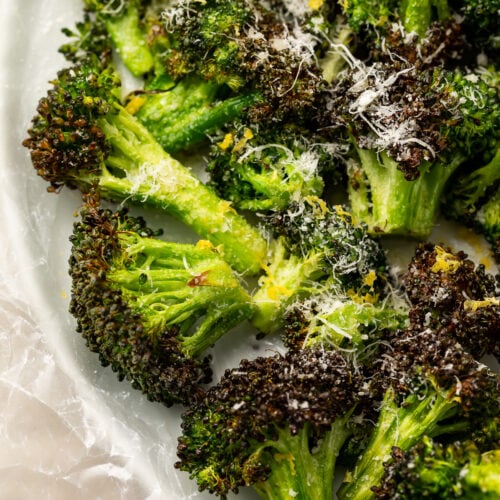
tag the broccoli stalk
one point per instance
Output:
(275, 423)
(183, 115)
(433, 470)
(291, 462)
(151, 308)
(381, 196)
(83, 137)
(474, 200)
(123, 24)
(400, 425)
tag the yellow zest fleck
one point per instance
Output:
(370, 299)
(64, 295)
(276, 292)
(227, 142)
(342, 213)
(204, 244)
(445, 262)
(315, 4)
(474, 305)
(370, 278)
(247, 135)
(317, 203)
(227, 207)
(135, 104)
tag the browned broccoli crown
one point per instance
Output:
(150, 359)
(447, 290)
(64, 139)
(417, 359)
(244, 45)
(225, 434)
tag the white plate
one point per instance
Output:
(68, 428)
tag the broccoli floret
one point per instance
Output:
(149, 307)
(315, 243)
(89, 36)
(448, 291)
(122, 19)
(248, 48)
(416, 16)
(488, 222)
(410, 130)
(431, 386)
(435, 471)
(83, 136)
(262, 169)
(332, 321)
(274, 423)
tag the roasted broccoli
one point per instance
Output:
(410, 130)
(263, 169)
(441, 472)
(329, 320)
(314, 243)
(149, 307)
(83, 136)
(448, 291)
(275, 423)
(431, 386)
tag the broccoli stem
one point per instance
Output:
(470, 188)
(182, 116)
(130, 41)
(417, 14)
(180, 284)
(388, 203)
(141, 171)
(397, 425)
(334, 62)
(483, 480)
(299, 472)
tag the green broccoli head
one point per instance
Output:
(436, 471)
(67, 144)
(315, 243)
(259, 169)
(151, 308)
(332, 321)
(274, 423)
(83, 137)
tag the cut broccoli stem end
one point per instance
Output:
(130, 41)
(388, 203)
(299, 472)
(140, 171)
(402, 426)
